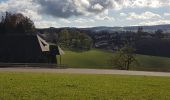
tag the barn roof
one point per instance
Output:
(26, 48)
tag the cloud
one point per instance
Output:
(123, 14)
(143, 16)
(157, 22)
(167, 14)
(46, 24)
(145, 3)
(97, 7)
(102, 18)
(69, 8)
(83, 21)
(40, 11)
(26, 7)
(3, 6)
(65, 21)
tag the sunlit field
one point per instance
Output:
(45, 86)
(101, 59)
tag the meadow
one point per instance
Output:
(48, 86)
(101, 59)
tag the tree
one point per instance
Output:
(140, 33)
(124, 57)
(85, 41)
(159, 34)
(28, 25)
(74, 40)
(140, 29)
(64, 37)
(16, 23)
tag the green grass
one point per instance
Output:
(153, 63)
(100, 59)
(88, 59)
(43, 86)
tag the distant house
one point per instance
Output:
(27, 48)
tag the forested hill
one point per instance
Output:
(165, 28)
(148, 40)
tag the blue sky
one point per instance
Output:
(90, 13)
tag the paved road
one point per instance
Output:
(84, 71)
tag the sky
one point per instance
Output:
(90, 13)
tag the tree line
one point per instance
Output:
(70, 39)
(16, 23)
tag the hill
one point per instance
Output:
(101, 59)
(148, 40)
(152, 28)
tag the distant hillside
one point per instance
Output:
(165, 28)
(149, 42)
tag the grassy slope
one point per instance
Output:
(89, 59)
(100, 59)
(43, 86)
(153, 63)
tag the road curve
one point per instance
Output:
(84, 71)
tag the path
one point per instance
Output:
(85, 71)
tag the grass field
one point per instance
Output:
(43, 86)
(88, 59)
(100, 59)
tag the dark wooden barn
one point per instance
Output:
(27, 49)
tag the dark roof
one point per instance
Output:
(22, 49)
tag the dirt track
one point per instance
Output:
(84, 71)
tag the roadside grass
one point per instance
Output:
(101, 59)
(51, 86)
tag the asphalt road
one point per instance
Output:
(84, 71)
